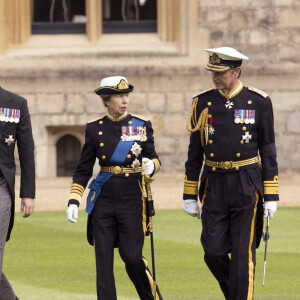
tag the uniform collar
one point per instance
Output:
(116, 119)
(233, 92)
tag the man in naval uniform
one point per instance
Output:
(116, 204)
(15, 127)
(230, 126)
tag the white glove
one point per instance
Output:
(148, 164)
(270, 208)
(191, 207)
(72, 209)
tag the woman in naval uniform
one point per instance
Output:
(116, 204)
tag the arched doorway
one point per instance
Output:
(68, 150)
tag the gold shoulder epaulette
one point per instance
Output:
(95, 120)
(257, 91)
(139, 117)
(203, 92)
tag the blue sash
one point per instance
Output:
(117, 158)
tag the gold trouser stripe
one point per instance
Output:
(144, 221)
(232, 164)
(251, 265)
(152, 284)
(144, 214)
(204, 195)
(123, 170)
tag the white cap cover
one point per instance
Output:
(223, 59)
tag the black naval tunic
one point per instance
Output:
(231, 131)
(16, 130)
(119, 215)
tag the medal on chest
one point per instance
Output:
(134, 133)
(211, 129)
(244, 116)
(9, 115)
(2, 114)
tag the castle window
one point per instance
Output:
(129, 16)
(58, 17)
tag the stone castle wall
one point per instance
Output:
(61, 100)
(268, 32)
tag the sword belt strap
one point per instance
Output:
(120, 170)
(231, 164)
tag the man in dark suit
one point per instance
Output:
(15, 126)
(231, 125)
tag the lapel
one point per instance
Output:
(4, 102)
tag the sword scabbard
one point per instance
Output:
(266, 237)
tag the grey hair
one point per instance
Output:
(235, 69)
(105, 98)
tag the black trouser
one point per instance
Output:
(119, 216)
(229, 206)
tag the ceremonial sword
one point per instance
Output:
(151, 213)
(266, 237)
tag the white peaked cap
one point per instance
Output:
(114, 85)
(112, 80)
(227, 53)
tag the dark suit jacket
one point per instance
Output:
(22, 134)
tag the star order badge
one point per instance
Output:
(9, 141)
(229, 104)
(247, 137)
(211, 130)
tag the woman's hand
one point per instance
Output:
(72, 210)
(148, 164)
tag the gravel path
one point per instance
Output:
(53, 193)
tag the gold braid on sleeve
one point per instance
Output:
(201, 124)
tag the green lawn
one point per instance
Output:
(49, 258)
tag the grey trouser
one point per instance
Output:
(6, 291)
